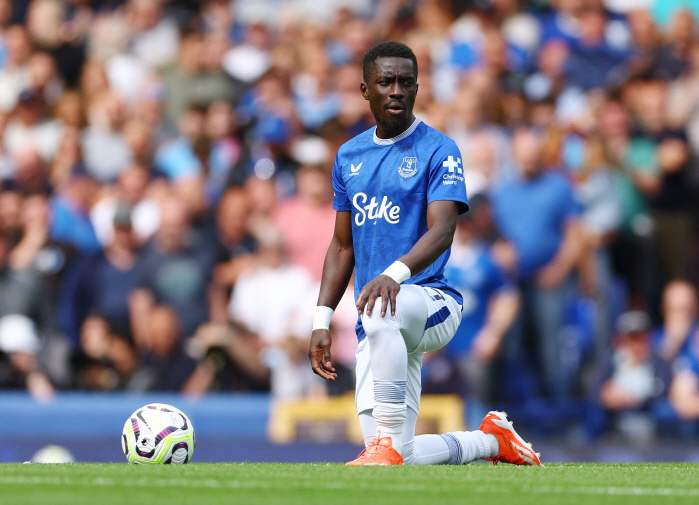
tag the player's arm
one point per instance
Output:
(337, 271)
(441, 224)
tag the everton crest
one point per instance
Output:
(409, 167)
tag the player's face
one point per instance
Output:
(391, 89)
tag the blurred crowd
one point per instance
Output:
(166, 201)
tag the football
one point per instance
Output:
(158, 434)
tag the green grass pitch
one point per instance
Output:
(307, 484)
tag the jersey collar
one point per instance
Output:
(388, 142)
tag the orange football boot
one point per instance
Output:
(379, 452)
(513, 449)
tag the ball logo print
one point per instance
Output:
(409, 167)
(159, 434)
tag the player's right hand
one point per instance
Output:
(319, 354)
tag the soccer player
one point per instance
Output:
(399, 188)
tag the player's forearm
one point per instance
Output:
(337, 271)
(430, 247)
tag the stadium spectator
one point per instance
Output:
(174, 268)
(235, 247)
(129, 193)
(538, 214)
(230, 358)
(105, 280)
(105, 360)
(70, 223)
(307, 219)
(679, 311)
(670, 201)
(633, 377)
(105, 152)
(162, 364)
(30, 128)
(21, 290)
(286, 288)
(635, 181)
(14, 76)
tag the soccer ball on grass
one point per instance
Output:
(159, 434)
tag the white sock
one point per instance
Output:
(390, 411)
(467, 446)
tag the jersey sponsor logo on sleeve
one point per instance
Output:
(355, 170)
(455, 171)
(374, 210)
(409, 167)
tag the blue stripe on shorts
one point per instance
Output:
(437, 318)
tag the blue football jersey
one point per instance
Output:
(387, 185)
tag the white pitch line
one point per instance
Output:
(248, 484)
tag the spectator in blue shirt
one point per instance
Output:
(70, 222)
(538, 214)
(593, 62)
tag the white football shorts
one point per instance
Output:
(428, 319)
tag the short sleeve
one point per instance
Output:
(340, 200)
(446, 180)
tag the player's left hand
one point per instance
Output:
(382, 286)
(319, 354)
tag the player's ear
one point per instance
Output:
(365, 90)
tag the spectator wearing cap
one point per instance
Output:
(105, 280)
(633, 377)
(131, 197)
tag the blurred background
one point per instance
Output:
(166, 206)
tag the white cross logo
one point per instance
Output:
(451, 164)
